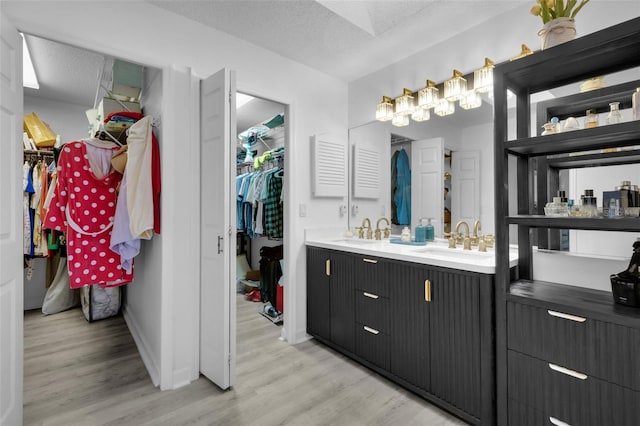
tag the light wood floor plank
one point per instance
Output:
(84, 374)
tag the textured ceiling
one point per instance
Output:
(346, 39)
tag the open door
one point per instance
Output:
(465, 186)
(427, 182)
(217, 232)
(11, 291)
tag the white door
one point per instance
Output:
(11, 295)
(217, 232)
(427, 182)
(465, 187)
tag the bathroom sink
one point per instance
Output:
(457, 253)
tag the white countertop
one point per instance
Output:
(433, 253)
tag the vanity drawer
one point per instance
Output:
(373, 310)
(372, 275)
(601, 349)
(569, 396)
(373, 345)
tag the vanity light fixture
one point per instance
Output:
(384, 110)
(420, 114)
(471, 100)
(405, 104)
(444, 107)
(400, 120)
(483, 77)
(428, 96)
(524, 51)
(455, 87)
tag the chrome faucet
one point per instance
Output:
(387, 230)
(466, 241)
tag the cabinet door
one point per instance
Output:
(455, 339)
(409, 335)
(342, 300)
(318, 292)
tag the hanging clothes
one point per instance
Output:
(394, 182)
(402, 196)
(83, 205)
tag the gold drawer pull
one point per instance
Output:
(427, 290)
(566, 316)
(369, 260)
(371, 295)
(568, 372)
(327, 267)
(371, 330)
(557, 422)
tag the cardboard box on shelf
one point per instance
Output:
(127, 80)
(38, 131)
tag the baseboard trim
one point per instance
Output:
(148, 359)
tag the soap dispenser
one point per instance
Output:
(430, 231)
(406, 234)
(421, 232)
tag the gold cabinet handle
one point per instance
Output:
(371, 330)
(327, 267)
(371, 295)
(566, 316)
(369, 260)
(557, 422)
(568, 372)
(427, 290)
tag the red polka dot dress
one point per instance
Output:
(84, 206)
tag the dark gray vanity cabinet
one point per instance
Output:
(330, 297)
(428, 328)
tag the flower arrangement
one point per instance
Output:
(552, 9)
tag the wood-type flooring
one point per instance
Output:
(77, 373)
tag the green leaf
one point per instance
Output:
(570, 5)
(577, 9)
(545, 12)
(559, 8)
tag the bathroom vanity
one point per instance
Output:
(421, 316)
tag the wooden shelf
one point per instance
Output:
(611, 136)
(628, 224)
(607, 51)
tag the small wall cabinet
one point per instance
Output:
(564, 354)
(427, 328)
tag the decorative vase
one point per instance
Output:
(557, 31)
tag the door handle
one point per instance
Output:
(369, 260)
(427, 290)
(327, 267)
(557, 422)
(566, 316)
(568, 372)
(371, 295)
(371, 330)
(220, 240)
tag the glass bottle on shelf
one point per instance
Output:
(615, 116)
(591, 120)
(635, 104)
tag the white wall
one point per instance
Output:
(155, 37)
(142, 303)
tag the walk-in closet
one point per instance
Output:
(260, 154)
(91, 220)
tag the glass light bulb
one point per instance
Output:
(384, 110)
(483, 77)
(420, 114)
(455, 87)
(444, 107)
(428, 97)
(470, 100)
(400, 120)
(405, 104)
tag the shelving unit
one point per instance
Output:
(556, 317)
